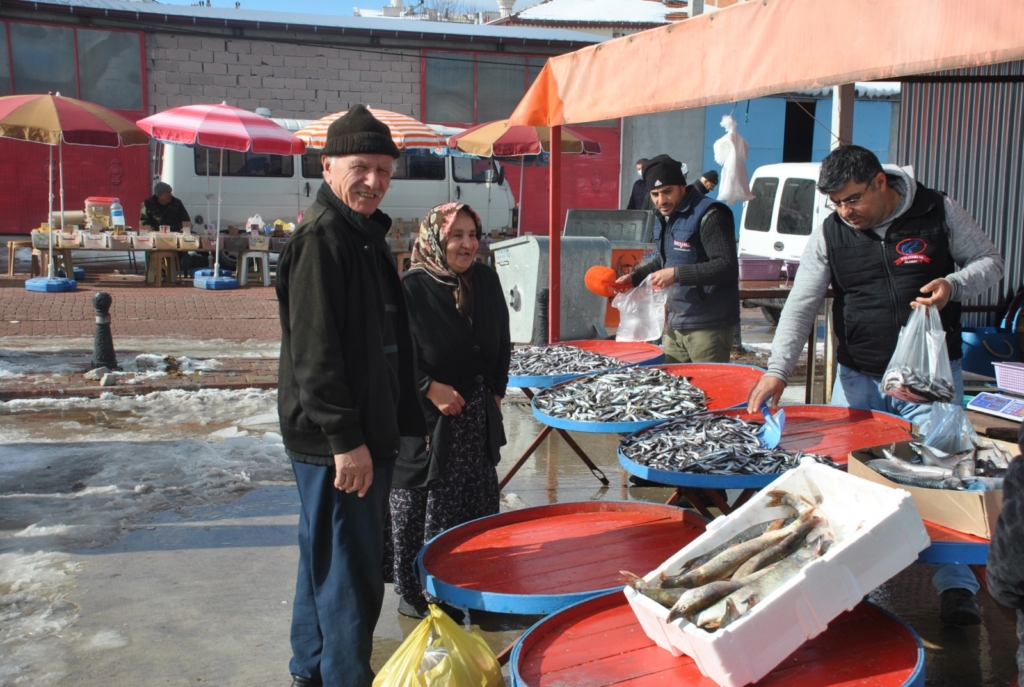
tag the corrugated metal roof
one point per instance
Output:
(311, 22)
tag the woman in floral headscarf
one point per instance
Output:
(459, 323)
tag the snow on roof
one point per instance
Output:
(295, 21)
(862, 89)
(601, 11)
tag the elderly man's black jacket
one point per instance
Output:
(345, 377)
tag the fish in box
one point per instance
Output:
(877, 532)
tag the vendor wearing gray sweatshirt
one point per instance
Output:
(890, 244)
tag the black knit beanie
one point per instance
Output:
(711, 175)
(357, 132)
(663, 171)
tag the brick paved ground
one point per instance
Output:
(138, 310)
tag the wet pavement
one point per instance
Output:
(196, 587)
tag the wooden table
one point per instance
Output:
(780, 289)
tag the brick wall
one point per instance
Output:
(298, 81)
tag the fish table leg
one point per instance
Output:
(690, 495)
(583, 456)
(534, 445)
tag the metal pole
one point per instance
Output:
(49, 217)
(555, 239)
(103, 342)
(220, 180)
(60, 156)
(519, 201)
(842, 115)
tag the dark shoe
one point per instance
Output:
(305, 682)
(413, 607)
(958, 607)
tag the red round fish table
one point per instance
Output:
(599, 642)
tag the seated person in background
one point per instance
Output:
(1006, 553)
(162, 208)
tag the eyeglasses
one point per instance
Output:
(849, 201)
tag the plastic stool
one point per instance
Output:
(261, 258)
(162, 266)
(11, 247)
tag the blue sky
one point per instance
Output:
(342, 8)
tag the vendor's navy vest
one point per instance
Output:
(875, 280)
(678, 241)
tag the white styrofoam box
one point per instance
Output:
(94, 240)
(522, 267)
(118, 241)
(878, 533)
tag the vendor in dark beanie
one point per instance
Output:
(706, 184)
(696, 261)
(346, 394)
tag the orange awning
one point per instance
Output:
(764, 47)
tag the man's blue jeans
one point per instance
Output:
(340, 585)
(857, 390)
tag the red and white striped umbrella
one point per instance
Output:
(221, 126)
(406, 131)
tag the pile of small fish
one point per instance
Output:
(558, 359)
(980, 468)
(716, 588)
(632, 394)
(710, 444)
(907, 384)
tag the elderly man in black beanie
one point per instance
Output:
(696, 261)
(346, 394)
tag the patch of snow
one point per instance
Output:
(107, 639)
(80, 348)
(599, 11)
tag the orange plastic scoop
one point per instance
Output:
(601, 280)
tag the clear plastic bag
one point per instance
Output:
(641, 312)
(919, 370)
(948, 429)
(439, 653)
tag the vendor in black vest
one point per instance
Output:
(696, 261)
(889, 245)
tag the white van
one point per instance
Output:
(785, 209)
(280, 187)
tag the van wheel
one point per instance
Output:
(771, 314)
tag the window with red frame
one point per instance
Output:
(471, 88)
(100, 66)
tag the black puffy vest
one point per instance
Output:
(875, 280)
(679, 243)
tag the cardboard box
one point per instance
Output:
(878, 533)
(973, 512)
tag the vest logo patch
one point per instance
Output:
(912, 252)
(680, 245)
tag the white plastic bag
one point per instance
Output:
(641, 312)
(919, 370)
(948, 429)
(731, 153)
(254, 224)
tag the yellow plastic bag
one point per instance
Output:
(455, 658)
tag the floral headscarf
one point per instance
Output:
(428, 254)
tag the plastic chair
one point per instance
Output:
(261, 263)
(162, 266)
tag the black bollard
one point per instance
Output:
(103, 343)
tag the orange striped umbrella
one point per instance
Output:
(406, 131)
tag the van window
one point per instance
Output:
(244, 164)
(474, 170)
(759, 210)
(796, 207)
(414, 164)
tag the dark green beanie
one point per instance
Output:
(357, 132)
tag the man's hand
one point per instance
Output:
(768, 388)
(353, 471)
(497, 401)
(446, 398)
(624, 283)
(662, 279)
(940, 290)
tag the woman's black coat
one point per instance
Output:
(452, 351)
